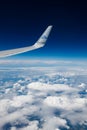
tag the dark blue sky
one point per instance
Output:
(22, 22)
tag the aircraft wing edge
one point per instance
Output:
(40, 43)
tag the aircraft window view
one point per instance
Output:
(43, 65)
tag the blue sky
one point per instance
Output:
(21, 24)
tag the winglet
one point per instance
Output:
(40, 43)
(42, 40)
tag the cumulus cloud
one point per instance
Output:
(48, 87)
(82, 85)
(66, 103)
(42, 101)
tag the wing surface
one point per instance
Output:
(40, 43)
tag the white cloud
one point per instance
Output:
(65, 102)
(82, 85)
(17, 115)
(13, 128)
(50, 87)
(42, 104)
(33, 125)
(19, 101)
(54, 123)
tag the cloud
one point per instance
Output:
(17, 115)
(48, 87)
(54, 123)
(82, 85)
(8, 63)
(65, 102)
(42, 101)
(19, 101)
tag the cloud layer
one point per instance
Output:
(42, 99)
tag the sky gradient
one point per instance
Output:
(22, 22)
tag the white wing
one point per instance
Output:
(40, 43)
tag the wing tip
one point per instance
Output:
(43, 38)
(50, 26)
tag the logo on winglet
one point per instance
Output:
(44, 37)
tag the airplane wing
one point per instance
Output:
(40, 43)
